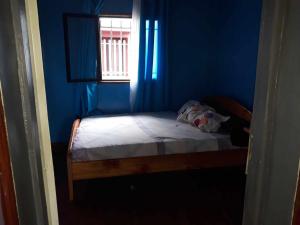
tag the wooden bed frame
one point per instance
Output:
(151, 164)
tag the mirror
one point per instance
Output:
(82, 46)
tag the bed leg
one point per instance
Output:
(69, 159)
(71, 190)
(70, 179)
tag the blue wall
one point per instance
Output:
(237, 49)
(212, 50)
(192, 38)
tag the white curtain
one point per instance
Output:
(134, 51)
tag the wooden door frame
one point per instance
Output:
(25, 110)
(36, 59)
(274, 142)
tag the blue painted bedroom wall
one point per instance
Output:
(192, 38)
(62, 109)
(237, 49)
(212, 50)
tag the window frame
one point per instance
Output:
(129, 16)
(98, 78)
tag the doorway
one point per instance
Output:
(271, 14)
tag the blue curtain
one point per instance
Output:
(86, 96)
(152, 91)
(93, 7)
(152, 87)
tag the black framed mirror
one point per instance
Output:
(82, 47)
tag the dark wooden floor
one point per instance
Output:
(206, 197)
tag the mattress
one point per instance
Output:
(144, 134)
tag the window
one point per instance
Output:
(99, 49)
(115, 34)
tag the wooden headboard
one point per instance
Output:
(229, 105)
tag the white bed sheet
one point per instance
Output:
(145, 134)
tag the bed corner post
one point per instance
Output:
(69, 160)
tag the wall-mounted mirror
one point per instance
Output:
(82, 46)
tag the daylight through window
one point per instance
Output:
(115, 45)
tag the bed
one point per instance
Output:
(127, 144)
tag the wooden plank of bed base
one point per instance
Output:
(152, 164)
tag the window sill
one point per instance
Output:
(114, 81)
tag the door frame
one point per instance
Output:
(41, 107)
(25, 109)
(274, 148)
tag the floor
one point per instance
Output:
(206, 197)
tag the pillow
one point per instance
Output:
(188, 104)
(202, 116)
(190, 110)
(209, 121)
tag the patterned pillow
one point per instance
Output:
(209, 121)
(202, 116)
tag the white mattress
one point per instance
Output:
(136, 135)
